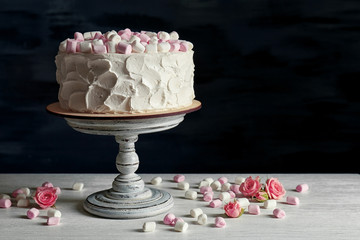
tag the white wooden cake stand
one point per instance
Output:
(128, 198)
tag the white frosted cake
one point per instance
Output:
(125, 72)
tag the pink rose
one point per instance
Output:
(45, 196)
(261, 196)
(250, 187)
(274, 189)
(233, 209)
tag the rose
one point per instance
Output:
(261, 196)
(233, 209)
(274, 189)
(45, 196)
(250, 187)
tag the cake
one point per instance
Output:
(125, 72)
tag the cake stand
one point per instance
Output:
(129, 197)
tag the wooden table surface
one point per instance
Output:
(329, 210)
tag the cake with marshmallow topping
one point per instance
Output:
(125, 72)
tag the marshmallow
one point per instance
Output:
(124, 48)
(111, 46)
(223, 180)
(169, 218)
(195, 212)
(110, 34)
(137, 47)
(151, 48)
(235, 188)
(134, 38)
(216, 203)
(78, 36)
(183, 47)
(174, 47)
(183, 185)
(216, 185)
(254, 209)
(279, 213)
(26, 191)
(179, 178)
(32, 213)
(62, 46)
(220, 222)
(47, 184)
(149, 226)
(163, 36)
(125, 36)
(209, 180)
(144, 38)
(16, 192)
(5, 203)
(205, 189)
(90, 35)
(71, 46)
(174, 35)
(225, 187)
(52, 212)
(163, 47)
(292, 200)
(4, 196)
(202, 219)
(204, 184)
(20, 196)
(232, 194)
(156, 180)
(239, 180)
(98, 35)
(53, 221)
(271, 203)
(181, 226)
(244, 202)
(225, 196)
(302, 187)
(23, 203)
(115, 38)
(78, 186)
(177, 219)
(85, 47)
(97, 42)
(58, 190)
(208, 196)
(99, 49)
(190, 194)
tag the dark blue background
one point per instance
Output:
(278, 81)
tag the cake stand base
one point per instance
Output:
(129, 197)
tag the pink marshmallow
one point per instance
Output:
(235, 188)
(174, 47)
(223, 180)
(208, 197)
(176, 220)
(32, 213)
(58, 190)
(205, 189)
(183, 47)
(99, 48)
(16, 192)
(215, 203)
(124, 48)
(71, 45)
(78, 37)
(279, 213)
(5, 203)
(302, 187)
(292, 200)
(232, 194)
(179, 178)
(169, 218)
(254, 209)
(98, 36)
(53, 221)
(144, 38)
(47, 184)
(220, 222)
(126, 36)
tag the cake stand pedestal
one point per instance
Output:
(129, 197)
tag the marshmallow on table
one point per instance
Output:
(225, 196)
(216, 185)
(156, 180)
(23, 203)
(208, 196)
(254, 209)
(216, 203)
(32, 213)
(169, 218)
(53, 221)
(183, 185)
(5, 203)
(179, 178)
(205, 189)
(271, 203)
(149, 226)
(244, 202)
(232, 194)
(225, 187)
(16, 192)
(26, 191)
(78, 186)
(4, 196)
(202, 219)
(223, 180)
(53, 213)
(292, 200)
(181, 226)
(47, 184)
(220, 222)
(20, 196)
(239, 180)
(177, 219)
(204, 184)
(235, 188)
(209, 180)
(190, 194)
(279, 213)
(195, 212)
(302, 187)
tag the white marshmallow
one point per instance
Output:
(151, 34)
(191, 194)
(163, 36)
(20, 196)
(204, 184)
(52, 212)
(271, 203)
(239, 180)
(97, 42)
(115, 38)
(181, 226)
(174, 35)
(209, 179)
(78, 186)
(62, 46)
(109, 34)
(225, 196)
(163, 47)
(215, 185)
(202, 219)
(4, 196)
(151, 48)
(111, 46)
(90, 35)
(134, 38)
(225, 187)
(244, 202)
(26, 191)
(156, 180)
(149, 226)
(195, 212)
(85, 47)
(183, 185)
(137, 47)
(23, 203)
